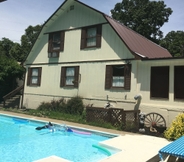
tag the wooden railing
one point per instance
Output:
(11, 94)
(124, 119)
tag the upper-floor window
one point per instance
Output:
(69, 76)
(91, 36)
(118, 76)
(56, 43)
(34, 76)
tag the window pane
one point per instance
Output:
(70, 72)
(56, 41)
(69, 80)
(118, 81)
(91, 37)
(70, 76)
(118, 76)
(91, 32)
(34, 72)
(34, 80)
(91, 42)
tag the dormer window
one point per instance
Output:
(91, 37)
(56, 44)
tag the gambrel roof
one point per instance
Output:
(140, 46)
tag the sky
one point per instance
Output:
(17, 15)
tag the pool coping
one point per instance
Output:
(132, 145)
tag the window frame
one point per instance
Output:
(109, 77)
(30, 76)
(54, 53)
(76, 76)
(84, 36)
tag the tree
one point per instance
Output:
(5, 47)
(29, 38)
(11, 55)
(143, 16)
(174, 43)
(9, 71)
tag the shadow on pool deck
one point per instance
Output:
(135, 147)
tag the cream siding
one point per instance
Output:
(92, 63)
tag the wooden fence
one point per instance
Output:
(124, 119)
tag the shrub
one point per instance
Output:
(176, 129)
(54, 105)
(44, 106)
(75, 106)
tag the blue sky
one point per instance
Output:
(17, 15)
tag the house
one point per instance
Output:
(81, 51)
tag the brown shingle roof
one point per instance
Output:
(138, 44)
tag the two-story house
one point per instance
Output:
(81, 51)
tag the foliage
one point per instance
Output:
(9, 71)
(54, 105)
(11, 55)
(29, 38)
(73, 106)
(176, 129)
(174, 43)
(143, 16)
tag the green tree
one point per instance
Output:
(29, 38)
(5, 47)
(9, 71)
(143, 16)
(174, 43)
(11, 55)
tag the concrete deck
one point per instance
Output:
(135, 147)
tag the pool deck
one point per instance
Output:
(135, 147)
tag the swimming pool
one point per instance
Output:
(21, 142)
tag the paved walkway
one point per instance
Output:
(135, 147)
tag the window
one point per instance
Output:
(69, 76)
(56, 44)
(159, 82)
(178, 82)
(118, 76)
(91, 37)
(34, 76)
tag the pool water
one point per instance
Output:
(21, 142)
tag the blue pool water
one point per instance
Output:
(21, 142)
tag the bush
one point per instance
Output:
(75, 106)
(176, 129)
(54, 105)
